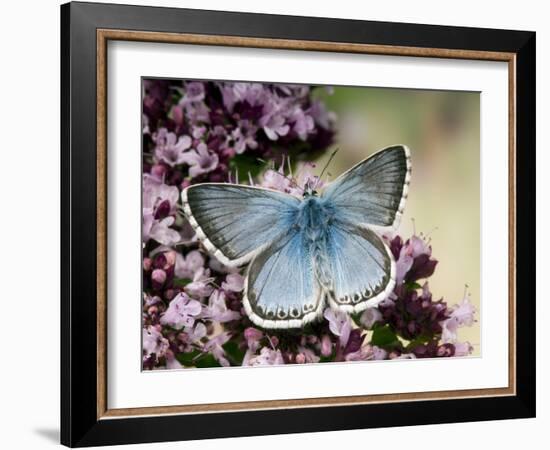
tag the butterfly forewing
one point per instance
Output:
(235, 222)
(374, 191)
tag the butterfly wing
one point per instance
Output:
(374, 191)
(280, 287)
(361, 266)
(237, 222)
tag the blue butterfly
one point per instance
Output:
(303, 253)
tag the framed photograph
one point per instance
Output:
(277, 224)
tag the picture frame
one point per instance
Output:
(86, 30)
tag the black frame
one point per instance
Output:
(79, 423)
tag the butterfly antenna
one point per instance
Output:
(290, 180)
(325, 168)
(280, 172)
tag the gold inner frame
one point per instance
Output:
(104, 35)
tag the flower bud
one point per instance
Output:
(162, 210)
(158, 277)
(326, 345)
(252, 334)
(158, 171)
(147, 262)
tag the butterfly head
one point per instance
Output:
(310, 188)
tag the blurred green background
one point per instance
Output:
(442, 130)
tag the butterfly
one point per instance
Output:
(305, 253)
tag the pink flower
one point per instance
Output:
(160, 230)
(367, 352)
(201, 284)
(154, 342)
(378, 353)
(172, 362)
(200, 160)
(276, 179)
(274, 122)
(326, 345)
(194, 92)
(214, 346)
(403, 265)
(253, 336)
(369, 317)
(243, 137)
(234, 282)
(303, 123)
(197, 333)
(306, 356)
(305, 178)
(159, 204)
(158, 277)
(417, 246)
(186, 266)
(463, 348)
(461, 315)
(339, 324)
(402, 356)
(191, 337)
(181, 312)
(321, 116)
(267, 357)
(169, 148)
(217, 309)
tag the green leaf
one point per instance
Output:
(206, 360)
(197, 359)
(181, 282)
(188, 359)
(326, 359)
(245, 164)
(356, 317)
(234, 352)
(420, 340)
(384, 336)
(412, 286)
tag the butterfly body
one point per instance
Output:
(305, 253)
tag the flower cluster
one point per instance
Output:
(192, 310)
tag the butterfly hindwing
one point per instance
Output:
(236, 222)
(280, 287)
(374, 191)
(361, 266)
